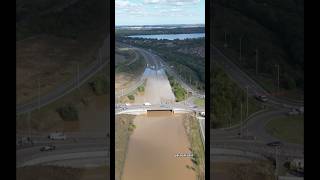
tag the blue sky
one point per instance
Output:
(155, 12)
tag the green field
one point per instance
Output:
(199, 102)
(289, 129)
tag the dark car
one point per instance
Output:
(48, 148)
(262, 98)
(275, 144)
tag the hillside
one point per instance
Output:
(52, 37)
(60, 17)
(274, 28)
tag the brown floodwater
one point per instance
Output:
(152, 148)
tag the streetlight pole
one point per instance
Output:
(225, 39)
(39, 99)
(241, 126)
(78, 78)
(278, 76)
(247, 102)
(29, 124)
(276, 158)
(257, 56)
(240, 58)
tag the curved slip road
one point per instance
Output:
(243, 80)
(81, 149)
(96, 66)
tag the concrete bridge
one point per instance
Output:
(143, 109)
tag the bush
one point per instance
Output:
(141, 88)
(99, 85)
(68, 113)
(131, 97)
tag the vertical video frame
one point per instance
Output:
(159, 90)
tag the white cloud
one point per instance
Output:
(152, 1)
(172, 2)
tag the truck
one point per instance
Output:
(57, 136)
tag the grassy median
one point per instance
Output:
(197, 147)
(289, 129)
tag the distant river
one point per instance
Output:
(170, 36)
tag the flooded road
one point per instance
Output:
(157, 88)
(152, 148)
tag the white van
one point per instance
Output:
(57, 136)
(146, 104)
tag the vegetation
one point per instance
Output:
(131, 97)
(197, 147)
(99, 85)
(50, 172)
(135, 68)
(179, 30)
(226, 101)
(123, 128)
(179, 92)
(274, 28)
(47, 118)
(68, 113)
(199, 102)
(262, 170)
(141, 88)
(289, 129)
(45, 17)
(185, 56)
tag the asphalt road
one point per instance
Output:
(253, 136)
(68, 149)
(156, 63)
(62, 90)
(254, 88)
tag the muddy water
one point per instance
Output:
(152, 147)
(157, 89)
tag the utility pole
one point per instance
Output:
(39, 99)
(257, 56)
(225, 39)
(78, 78)
(247, 109)
(276, 158)
(241, 126)
(29, 125)
(278, 79)
(240, 58)
(247, 99)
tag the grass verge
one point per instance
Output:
(179, 92)
(199, 102)
(123, 127)
(289, 129)
(197, 147)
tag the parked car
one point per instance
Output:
(48, 148)
(275, 144)
(293, 112)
